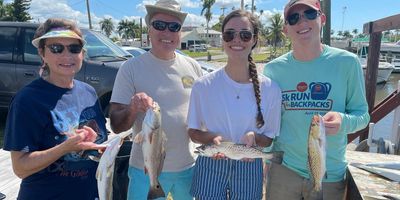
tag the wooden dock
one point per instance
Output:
(365, 185)
(361, 185)
(9, 183)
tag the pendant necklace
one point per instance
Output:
(237, 92)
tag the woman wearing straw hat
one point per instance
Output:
(53, 121)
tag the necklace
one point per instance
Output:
(237, 92)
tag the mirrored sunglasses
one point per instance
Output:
(59, 48)
(162, 25)
(244, 35)
(309, 14)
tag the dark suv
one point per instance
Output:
(20, 62)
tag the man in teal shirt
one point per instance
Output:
(315, 79)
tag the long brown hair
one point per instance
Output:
(252, 66)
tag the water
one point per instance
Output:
(384, 127)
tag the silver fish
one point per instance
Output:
(317, 152)
(233, 151)
(153, 141)
(105, 169)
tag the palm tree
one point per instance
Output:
(128, 29)
(107, 26)
(276, 35)
(207, 4)
(346, 34)
(340, 33)
(355, 32)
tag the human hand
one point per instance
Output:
(332, 122)
(140, 102)
(249, 139)
(82, 139)
(217, 141)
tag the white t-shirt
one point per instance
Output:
(169, 83)
(227, 108)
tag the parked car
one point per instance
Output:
(20, 62)
(197, 47)
(135, 51)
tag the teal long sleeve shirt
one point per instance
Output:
(332, 82)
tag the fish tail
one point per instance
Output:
(155, 191)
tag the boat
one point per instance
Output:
(384, 68)
(396, 63)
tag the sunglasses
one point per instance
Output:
(245, 35)
(162, 25)
(59, 48)
(309, 14)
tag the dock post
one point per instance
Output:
(395, 127)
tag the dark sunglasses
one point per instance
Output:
(309, 14)
(161, 25)
(245, 35)
(59, 48)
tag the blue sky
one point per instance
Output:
(346, 14)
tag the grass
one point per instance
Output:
(198, 54)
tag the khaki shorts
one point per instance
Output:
(285, 184)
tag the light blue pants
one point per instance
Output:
(176, 183)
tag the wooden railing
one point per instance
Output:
(375, 29)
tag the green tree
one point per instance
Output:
(218, 26)
(5, 11)
(355, 32)
(128, 29)
(206, 11)
(107, 26)
(347, 34)
(20, 8)
(276, 35)
(340, 33)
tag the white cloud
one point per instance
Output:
(40, 10)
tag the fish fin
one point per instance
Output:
(138, 138)
(156, 191)
(145, 170)
(326, 175)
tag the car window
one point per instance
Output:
(30, 52)
(7, 41)
(101, 48)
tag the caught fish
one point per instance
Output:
(233, 151)
(153, 141)
(317, 152)
(105, 170)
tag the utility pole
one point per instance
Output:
(252, 6)
(88, 12)
(326, 8)
(344, 11)
(242, 4)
